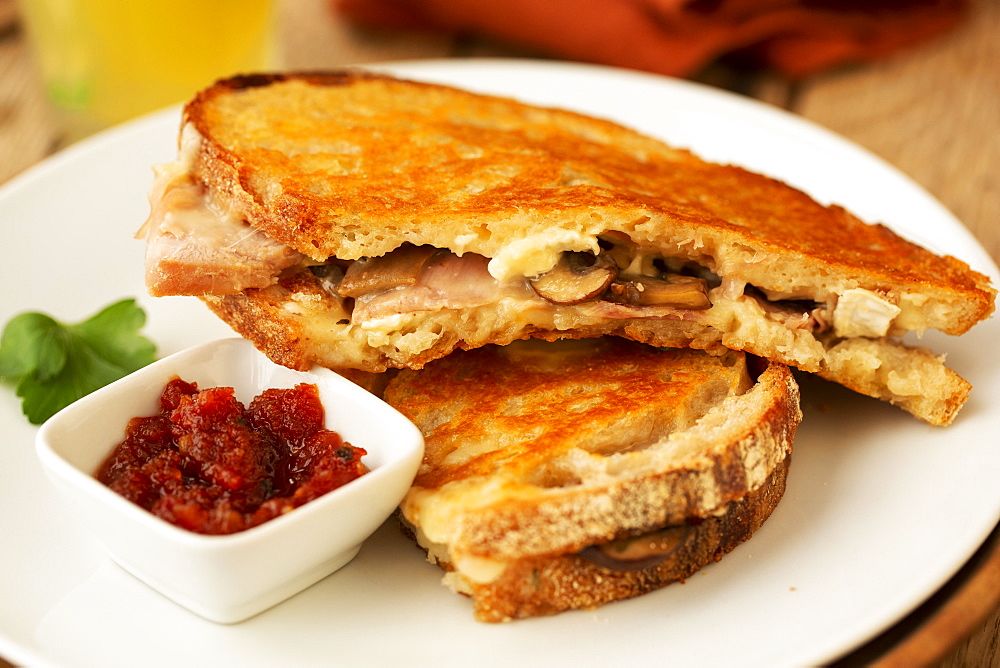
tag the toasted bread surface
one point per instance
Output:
(537, 451)
(513, 410)
(569, 473)
(352, 164)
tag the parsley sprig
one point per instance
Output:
(52, 364)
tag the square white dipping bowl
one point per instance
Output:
(231, 577)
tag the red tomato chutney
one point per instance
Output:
(208, 464)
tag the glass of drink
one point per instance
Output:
(105, 61)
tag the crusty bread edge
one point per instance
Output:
(546, 585)
(728, 453)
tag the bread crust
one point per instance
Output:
(525, 467)
(349, 164)
(693, 472)
(546, 585)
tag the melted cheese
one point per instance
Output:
(480, 570)
(537, 253)
(861, 312)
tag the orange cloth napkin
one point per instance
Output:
(679, 37)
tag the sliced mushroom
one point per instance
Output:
(400, 267)
(577, 277)
(641, 552)
(679, 291)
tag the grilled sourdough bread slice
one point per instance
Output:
(567, 475)
(357, 220)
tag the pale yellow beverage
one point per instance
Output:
(105, 61)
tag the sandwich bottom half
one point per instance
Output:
(566, 475)
(545, 585)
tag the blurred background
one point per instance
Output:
(917, 82)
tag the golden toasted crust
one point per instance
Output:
(537, 451)
(351, 164)
(549, 487)
(520, 407)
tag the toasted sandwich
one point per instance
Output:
(570, 474)
(359, 221)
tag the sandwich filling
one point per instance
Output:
(631, 553)
(199, 246)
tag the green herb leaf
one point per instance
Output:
(32, 343)
(113, 335)
(53, 364)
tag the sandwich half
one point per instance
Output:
(570, 474)
(360, 221)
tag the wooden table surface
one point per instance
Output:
(933, 112)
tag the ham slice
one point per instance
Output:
(194, 246)
(446, 281)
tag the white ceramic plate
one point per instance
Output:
(880, 509)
